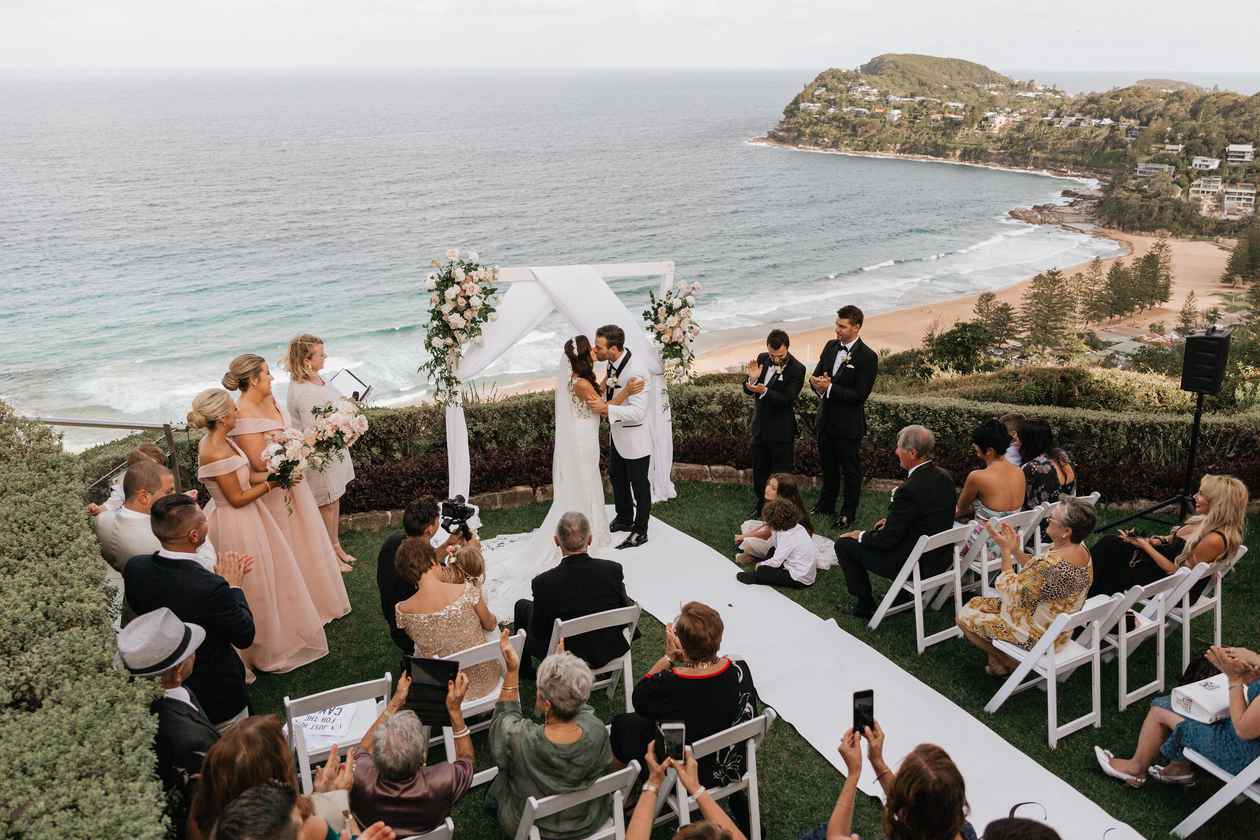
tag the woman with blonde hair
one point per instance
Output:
(1211, 534)
(288, 632)
(294, 508)
(308, 391)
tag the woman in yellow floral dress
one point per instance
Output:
(1029, 600)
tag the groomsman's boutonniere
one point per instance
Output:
(778, 371)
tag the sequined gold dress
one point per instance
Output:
(451, 629)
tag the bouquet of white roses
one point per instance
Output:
(669, 320)
(286, 459)
(337, 427)
(462, 298)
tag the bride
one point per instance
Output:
(513, 561)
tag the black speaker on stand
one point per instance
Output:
(1202, 372)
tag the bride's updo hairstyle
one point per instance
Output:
(578, 350)
(243, 368)
(415, 557)
(209, 407)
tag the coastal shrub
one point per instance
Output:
(79, 758)
(1100, 389)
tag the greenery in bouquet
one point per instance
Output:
(337, 427)
(286, 459)
(462, 299)
(669, 321)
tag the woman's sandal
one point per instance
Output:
(1104, 762)
(1160, 774)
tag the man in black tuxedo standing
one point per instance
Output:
(843, 379)
(922, 505)
(173, 578)
(775, 379)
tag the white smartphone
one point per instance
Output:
(674, 735)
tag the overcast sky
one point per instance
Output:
(1068, 34)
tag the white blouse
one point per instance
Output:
(795, 551)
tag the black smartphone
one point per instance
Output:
(427, 696)
(863, 710)
(673, 737)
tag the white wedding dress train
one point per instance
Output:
(513, 560)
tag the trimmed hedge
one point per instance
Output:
(78, 758)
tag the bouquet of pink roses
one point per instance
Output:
(337, 427)
(286, 459)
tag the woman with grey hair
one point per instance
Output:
(567, 752)
(392, 780)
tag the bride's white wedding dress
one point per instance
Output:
(512, 561)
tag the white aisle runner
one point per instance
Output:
(808, 669)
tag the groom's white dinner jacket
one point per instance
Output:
(628, 421)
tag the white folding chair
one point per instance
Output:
(445, 831)
(1038, 545)
(1043, 665)
(617, 785)
(981, 563)
(1245, 785)
(1149, 621)
(910, 579)
(749, 735)
(1211, 599)
(378, 690)
(488, 652)
(608, 674)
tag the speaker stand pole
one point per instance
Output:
(1193, 456)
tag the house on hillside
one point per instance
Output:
(1238, 199)
(858, 112)
(812, 107)
(955, 106)
(1146, 170)
(995, 122)
(1172, 148)
(1206, 192)
(1205, 164)
(893, 115)
(1237, 153)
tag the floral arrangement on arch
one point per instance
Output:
(462, 300)
(336, 428)
(669, 322)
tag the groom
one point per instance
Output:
(631, 447)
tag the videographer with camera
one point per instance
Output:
(423, 518)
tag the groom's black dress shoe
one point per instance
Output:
(618, 525)
(841, 522)
(636, 539)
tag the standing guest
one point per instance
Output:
(923, 505)
(117, 494)
(792, 559)
(1214, 532)
(293, 509)
(566, 753)
(995, 490)
(580, 585)
(420, 519)
(443, 618)
(843, 379)
(1014, 424)
(775, 379)
(1048, 472)
(1029, 601)
(173, 578)
(158, 644)
(308, 391)
(289, 631)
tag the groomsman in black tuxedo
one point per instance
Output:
(843, 379)
(775, 379)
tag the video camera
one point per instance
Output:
(455, 515)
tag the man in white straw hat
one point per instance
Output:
(159, 645)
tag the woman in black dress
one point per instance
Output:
(1048, 473)
(1212, 533)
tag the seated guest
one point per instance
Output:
(467, 564)
(157, 644)
(146, 453)
(793, 560)
(1048, 473)
(443, 618)
(1028, 602)
(995, 490)
(925, 798)
(923, 505)
(1018, 828)
(580, 585)
(567, 752)
(696, 685)
(392, 782)
(1014, 424)
(714, 823)
(274, 811)
(1212, 533)
(420, 519)
(173, 577)
(1231, 743)
(753, 538)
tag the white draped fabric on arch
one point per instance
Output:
(581, 294)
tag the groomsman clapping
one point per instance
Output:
(775, 379)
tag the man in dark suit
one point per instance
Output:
(923, 504)
(580, 585)
(173, 578)
(420, 519)
(775, 379)
(843, 379)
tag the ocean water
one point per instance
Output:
(153, 227)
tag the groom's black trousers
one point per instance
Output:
(632, 491)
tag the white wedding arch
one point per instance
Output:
(581, 294)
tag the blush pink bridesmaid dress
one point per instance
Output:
(288, 631)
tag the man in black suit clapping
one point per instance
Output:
(843, 379)
(173, 578)
(775, 379)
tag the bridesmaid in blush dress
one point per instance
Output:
(297, 515)
(288, 632)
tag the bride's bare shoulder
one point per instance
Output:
(583, 387)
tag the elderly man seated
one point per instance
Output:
(393, 782)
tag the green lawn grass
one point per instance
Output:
(798, 787)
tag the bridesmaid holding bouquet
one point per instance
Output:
(297, 515)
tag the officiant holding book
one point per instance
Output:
(775, 379)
